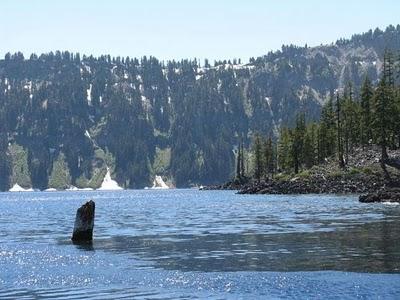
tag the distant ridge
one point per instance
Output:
(181, 120)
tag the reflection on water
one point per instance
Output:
(180, 244)
(87, 246)
(67, 293)
(362, 248)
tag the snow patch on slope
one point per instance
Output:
(87, 134)
(89, 94)
(158, 183)
(109, 184)
(72, 188)
(17, 188)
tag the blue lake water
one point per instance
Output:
(185, 244)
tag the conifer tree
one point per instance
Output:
(326, 131)
(258, 159)
(389, 77)
(242, 169)
(239, 162)
(298, 142)
(366, 102)
(339, 131)
(60, 177)
(5, 168)
(237, 176)
(20, 169)
(384, 106)
(381, 121)
(268, 157)
(350, 118)
(284, 156)
(310, 146)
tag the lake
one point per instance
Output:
(184, 244)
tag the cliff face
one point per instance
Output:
(180, 119)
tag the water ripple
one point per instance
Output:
(186, 244)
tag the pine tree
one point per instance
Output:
(298, 142)
(5, 167)
(389, 77)
(239, 163)
(284, 147)
(396, 95)
(258, 159)
(384, 106)
(381, 121)
(309, 151)
(268, 157)
(397, 117)
(20, 169)
(366, 118)
(60, 177)
(339, 131)
(350, 124)
(388, 68)
(237, 176)
(326, 132)
(242, 169)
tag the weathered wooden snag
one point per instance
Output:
(84, 223)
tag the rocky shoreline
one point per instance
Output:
(371, 188)
(346, 184)
(364, 175)
(387, 195)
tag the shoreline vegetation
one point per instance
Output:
(67, 117)
(363, 174)
(354, 148)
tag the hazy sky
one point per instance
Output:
(184, 29)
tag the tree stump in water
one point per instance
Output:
(84, 223)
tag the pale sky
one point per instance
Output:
(176, 29)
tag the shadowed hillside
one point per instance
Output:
(179, 119)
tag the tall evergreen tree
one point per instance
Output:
(60, 177)
(381, 120)
(298, 142)
(284, 147)
(390, 90)
(366, 102)
(5, 167)
(384, 105)
(339, 131)
(242, 168)
(239, 158)
(237, 174)
(258, 157)
(350, 125)
(20, 169)
(309, 150)
(327, 131)
(269, 157)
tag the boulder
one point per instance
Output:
(84, 223)
(381, 196)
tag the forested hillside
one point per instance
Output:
(65, 118)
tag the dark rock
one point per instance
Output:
(392, 195)
(316, 184)
(369, 198)
(230, 185)
(362, 175)
(84, 223)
